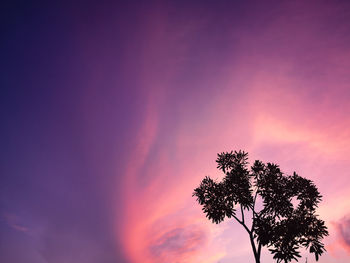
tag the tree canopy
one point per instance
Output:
(286, 220)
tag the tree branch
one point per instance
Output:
(256, 194)
(259, 249)
(243, 224)
(253, 209)
(256, 256)
(242, 214)
(251, 238)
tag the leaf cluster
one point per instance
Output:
(279, 225)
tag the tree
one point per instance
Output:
(287, 219)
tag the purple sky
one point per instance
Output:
(112, 113)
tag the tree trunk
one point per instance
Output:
(256, 253)
(257, 258)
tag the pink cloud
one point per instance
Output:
(279, 108)
(177, 245)
(343, 233)
(15, 222)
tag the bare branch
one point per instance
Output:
(242, 214)
(243, 224)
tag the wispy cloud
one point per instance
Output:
(177, 245)
(15, 222)
(343, 233)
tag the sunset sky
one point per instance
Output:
(113, 111)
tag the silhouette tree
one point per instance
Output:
(279, 225)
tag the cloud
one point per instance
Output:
(263, 99)
(177, 245)
(343, 232)
(15, 222)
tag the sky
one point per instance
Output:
(113, 111)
